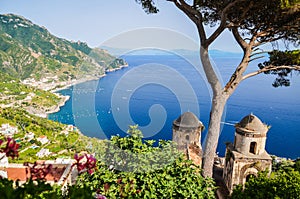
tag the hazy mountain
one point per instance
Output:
(214, 52)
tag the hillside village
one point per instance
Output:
(62, 165)
(39, 142)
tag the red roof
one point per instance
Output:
(20, 173)
(23, 173)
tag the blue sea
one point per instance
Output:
(154, 90)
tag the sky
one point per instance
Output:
(99, 21)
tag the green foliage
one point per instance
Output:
(283, 183)
(281, 58)
(289, 3)
(248, 16)
(117, 63)
(148, 6)
(132, 154)
(77, 192)
(131, 168)
(297, 165)
(20, 65)
(34, 190)
(81, 46)
(41, 190)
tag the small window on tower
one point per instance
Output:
(253, 147)
(187, 137)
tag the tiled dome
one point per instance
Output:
(188, 120)
(252, 124)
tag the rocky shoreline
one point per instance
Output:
(64, 99)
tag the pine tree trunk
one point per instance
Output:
(220, 97)
(211, 142)
(218, 103)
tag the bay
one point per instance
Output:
(156, 89)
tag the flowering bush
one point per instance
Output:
(36, 186)
(10, 149)
(39, 171)
(86, 162)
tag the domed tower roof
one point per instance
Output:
(251, 124)
(188, 120)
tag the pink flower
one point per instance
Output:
(138, 191)
(11, 149)
(85, 163)
(106, 187)
(39, 171)
(119, 181)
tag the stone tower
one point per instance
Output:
(247, 156)
(187, 134)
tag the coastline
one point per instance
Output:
(56, 108)
(65, 98)
(68, 84)
(115, 69)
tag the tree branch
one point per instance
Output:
(210, 73)
(258, 43)
(270, 68)
(222, 25)
(197, 18)
(239, 39)
(194, 15)
(237, 75)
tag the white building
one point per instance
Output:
(43, 152)
(43, 139)
(29, 136)
(8, 130)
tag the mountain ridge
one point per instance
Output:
(28, 50)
